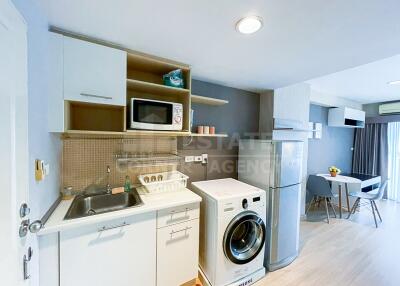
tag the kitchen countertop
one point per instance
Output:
(151, 202)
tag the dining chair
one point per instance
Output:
(320, 189)
(372, 197)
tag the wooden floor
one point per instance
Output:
(345, 252)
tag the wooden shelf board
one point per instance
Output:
(132, 133)
(208, 100)
(128, 133)
(149, 87)
(152, 63)
(209, 135)
(158, 133)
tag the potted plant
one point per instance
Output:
(334, 171)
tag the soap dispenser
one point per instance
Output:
(127, 185)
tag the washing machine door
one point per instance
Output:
(244, 237)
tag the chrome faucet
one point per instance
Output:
(108, 187)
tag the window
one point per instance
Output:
(394, 161)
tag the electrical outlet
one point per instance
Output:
(204, 158)
(189, 159)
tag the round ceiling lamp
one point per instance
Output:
(249, 25)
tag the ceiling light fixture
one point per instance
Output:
(249, 25)
(394, 82)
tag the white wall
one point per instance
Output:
(42, 145)
(330, 100)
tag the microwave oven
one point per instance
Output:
(155, 115)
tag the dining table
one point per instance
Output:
(342, 180)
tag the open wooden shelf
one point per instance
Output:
(208, 100)
(94, 117)
(154, 88)
(151, 69)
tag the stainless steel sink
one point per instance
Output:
(88, 205)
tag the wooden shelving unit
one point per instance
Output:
(208, 100)
(145, 80)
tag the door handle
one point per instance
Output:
(26, 226)
(26, 260)
(104, 228)
(95, 95)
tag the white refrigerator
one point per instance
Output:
(276, 167)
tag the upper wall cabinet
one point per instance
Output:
(94, 73)
(92, 86)
(346, 117)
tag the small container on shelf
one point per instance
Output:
(206, 129)
(200, 129)
(212, 129)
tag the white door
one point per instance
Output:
(13, 143)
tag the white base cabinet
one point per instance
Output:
(120, 252)
(157, 248)
(177, 245)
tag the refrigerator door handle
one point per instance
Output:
(275, 207)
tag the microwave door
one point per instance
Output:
(151, 115)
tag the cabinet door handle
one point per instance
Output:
(95, 95)
(181, 230)
(179, 212)
(104, 228)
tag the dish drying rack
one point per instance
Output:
(163, 182)
(148, 159)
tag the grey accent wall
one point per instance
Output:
(240, 115)
(333, 149)
(237, 118)
(371, 110)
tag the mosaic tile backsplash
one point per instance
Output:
(85, 161)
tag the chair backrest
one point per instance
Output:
(381, 191)
(319, 186)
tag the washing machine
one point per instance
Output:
(232, 232)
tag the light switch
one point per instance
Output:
(39, 172)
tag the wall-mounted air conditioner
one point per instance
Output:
(389, 108)
(346, 117)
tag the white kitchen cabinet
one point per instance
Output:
(55, 106)
(94, 73)
(121, 252)
(346, 117)
(178, 249)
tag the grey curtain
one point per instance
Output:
(371, 150)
